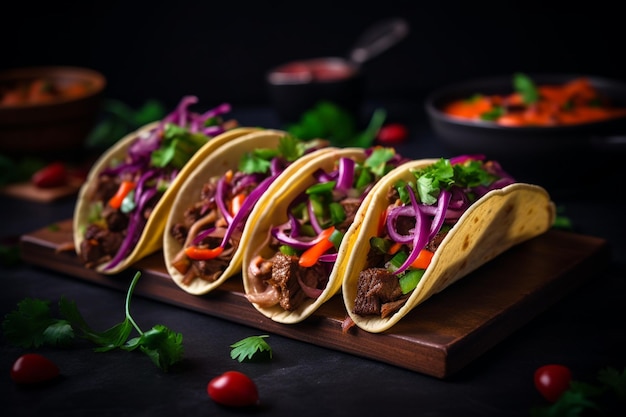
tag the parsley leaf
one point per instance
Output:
(247, 348)
(332, 122)
(526, 87)
(32, 325)
(177, 147)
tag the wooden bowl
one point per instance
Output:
(55, 122)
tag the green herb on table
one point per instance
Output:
(18, 169)
(607, 397)
(33, 325)
(118, 119)
(561, 221)
(250, 347)
(10, 254)
(330, 121)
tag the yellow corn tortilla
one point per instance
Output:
(151, 238)
(255, 239)
(499, 220)
(221, 160)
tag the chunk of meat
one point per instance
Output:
(376, 286)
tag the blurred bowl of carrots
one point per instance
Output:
(528, 116)
(48, 109)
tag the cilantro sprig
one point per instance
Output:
(442, 174)
(250, 347)
(526, 87)
(32, 324)
(331, 121)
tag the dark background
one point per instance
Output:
(221, 50)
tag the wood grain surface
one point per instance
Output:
(438, 338)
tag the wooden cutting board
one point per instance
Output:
(438, 338)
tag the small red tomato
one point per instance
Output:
(233, 389)
(33, 368)
(392, 133)
(552, 381)
(52, 175)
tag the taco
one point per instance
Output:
(201, 240)
(122, 207)
(429, 224)
(292, 253)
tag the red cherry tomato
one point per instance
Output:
(392, 133)
(233, 389)
(33, 368)
(552, 381)
(52, 175)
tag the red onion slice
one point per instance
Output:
(420, 235)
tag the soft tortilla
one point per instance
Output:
(151, 238)
(255, 239)
(499, 220)
(221, 160)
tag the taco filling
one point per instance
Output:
(211, 229)
(127, 190)
(305, 246)
(419, 216)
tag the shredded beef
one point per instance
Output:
(105, 188)
(376, 286)
(285, 273)
(115, 220)
(350, 206)
(284, 278)
(99, 244)
(179, 233)
(436, 240)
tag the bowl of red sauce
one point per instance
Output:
(531, 116)
(49, 108)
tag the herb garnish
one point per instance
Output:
(340, 127)
(249, 347)
(526, 87)
(33, 325)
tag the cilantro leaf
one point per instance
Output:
(377, 161)
(247, 348)
(332, 122)
(177, 147)
(32, 325)
(252, 163)
(526, 87)
(163, 346)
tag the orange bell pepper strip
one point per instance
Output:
(395, 247)
(423, 259)
(203, 254)
(310, 256)
(123, 190)
(236, 203)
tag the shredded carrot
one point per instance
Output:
(394, 248)
(310, 256)
(123, 190)
(423, 259)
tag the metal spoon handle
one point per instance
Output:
(378, 38)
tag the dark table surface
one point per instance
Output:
(584, 330)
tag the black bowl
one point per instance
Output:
(485, 137)
(536, 151)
